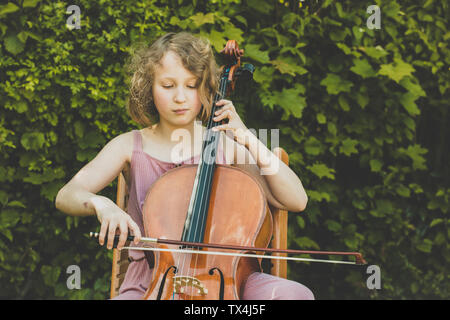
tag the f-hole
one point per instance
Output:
(222, 282)
(163, 281)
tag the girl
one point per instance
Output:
(173, 85)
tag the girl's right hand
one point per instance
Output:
(112, 218)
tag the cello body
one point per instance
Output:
(238, 214)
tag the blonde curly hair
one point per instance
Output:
(196, 55)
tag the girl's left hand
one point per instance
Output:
(235, 126)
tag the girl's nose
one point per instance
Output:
(180, 96)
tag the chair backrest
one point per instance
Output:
(279, 239)
(280, 222)
(120, 257)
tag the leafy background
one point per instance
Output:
(362, 113)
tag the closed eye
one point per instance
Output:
(168, 86)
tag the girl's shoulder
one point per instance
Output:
(124, 142)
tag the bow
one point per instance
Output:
(194, 249)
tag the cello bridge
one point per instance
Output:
(181, 282)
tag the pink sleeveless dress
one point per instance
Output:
(144, 171)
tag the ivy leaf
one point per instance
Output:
(32, 140)
(415, 152)
(242, 20)
(332, 128)
(362, 99)
(91, 139)
(253, 51)
(263, 76)
(403, 191)
(412, 87)
(260, 6)
(9, 218)
(79, 128)
(436, 222)
(50, 274)
(30, 3)
(351, 243)
(232, 32)
(336, 84)
(174, 20)
(268, 99)
(383, 208)
(375, 165)
(313, 146)
(16, 203)
(318, 196)
(408, 102)
(86, 154)
(7, 233)
(300, 222)
(374, 52)
(47, 176)
(297, 106)
(425, 246)
(8, 8)
(3, 199)
(333, 225)
(217, 40)
(344, 48)
(305, 242)
(291, 100)
(359, 204)
(200, 19)
(321, 170)
(363, 68)
(397, 70)
(415, 187)
(14, 45)
(321, 118)
(289, 68)
(348, 147)
(343, 103)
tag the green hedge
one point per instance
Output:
(361, 112)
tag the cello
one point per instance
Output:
(206, 205)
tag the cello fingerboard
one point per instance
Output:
(194, 226)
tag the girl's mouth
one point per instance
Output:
(181, 111)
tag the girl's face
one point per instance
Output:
(175, 92)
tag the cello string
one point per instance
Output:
(189, 216)
(194, 208)
(210, 167)
(207, 171)
(206, 178)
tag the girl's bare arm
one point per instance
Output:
(78, 197)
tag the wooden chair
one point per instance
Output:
(279, 240)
